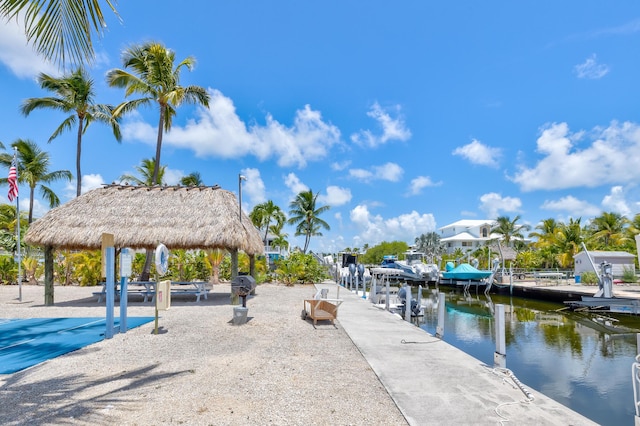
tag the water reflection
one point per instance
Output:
(581, 361)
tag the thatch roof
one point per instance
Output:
(143, 217)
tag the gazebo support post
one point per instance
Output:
(235, 299)
(48, 275)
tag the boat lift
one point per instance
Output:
(603, 299)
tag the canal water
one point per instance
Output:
(580, 361)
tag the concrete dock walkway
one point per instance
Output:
(435, 383)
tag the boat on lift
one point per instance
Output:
(465, 271)
(401, 270)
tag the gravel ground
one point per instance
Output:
(200, 369)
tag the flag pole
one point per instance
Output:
(15, 162)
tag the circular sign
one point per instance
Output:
(162, 259)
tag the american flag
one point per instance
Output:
(13, 183)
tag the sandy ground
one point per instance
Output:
(200, 370)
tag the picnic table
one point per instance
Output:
(147, 289)
(199, 288)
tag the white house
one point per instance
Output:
(466, 234)
(619, 260)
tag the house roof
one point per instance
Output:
(600, 253)
(469, 223)
(462, 236)
(143, 217)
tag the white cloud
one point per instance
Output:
(17, 55)
(360, 174)
(418, 184)
(292, 182)
(219, 132)
(389, 171)
(493, 204)
(478, 153)
(172, 176)
(253, 186)
(338, 166)
(591, 69)
(615, 202)
(573, 206)
(392, 128)
(610, 159)
(336, 196)
(91, 181)
(406, 227)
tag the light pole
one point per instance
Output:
(240, 179)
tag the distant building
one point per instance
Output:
(619, 260)
(470, 235)
(466, 235)
(272, 252)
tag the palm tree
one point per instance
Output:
(215, 258)
(61, 30)
(156, 80)
(33, 169)
(568, 241)
(305, 215)
(74, 95)
(192, 179)
(145, 170)
(429, 244)
(547, 228)
(509, 229)
(262, 215)
(608, 230)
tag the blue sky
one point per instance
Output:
(404, 116)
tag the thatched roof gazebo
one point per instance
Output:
(142, 217)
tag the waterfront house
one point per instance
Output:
(466, 235)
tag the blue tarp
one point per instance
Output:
(27, 342)
(465, 271)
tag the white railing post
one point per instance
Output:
(407, 310)
(500, 355)
(440, 326)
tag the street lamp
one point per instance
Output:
(240, 179)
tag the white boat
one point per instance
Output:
(413, 267)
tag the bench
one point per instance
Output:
(540, 276)
(321, 310)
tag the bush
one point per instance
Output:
(300, 268)
(629, 275)
(589, 278)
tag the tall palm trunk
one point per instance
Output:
(78, 154)
(156, 169)
(154, 180)
(32, 192)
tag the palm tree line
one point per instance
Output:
(551, 243)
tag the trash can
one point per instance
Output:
(577, 279)
(240, 315)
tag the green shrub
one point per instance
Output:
(8, 270)
(589, 278)
(629, 275)
(300, 268)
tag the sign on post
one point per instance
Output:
(163, 295)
